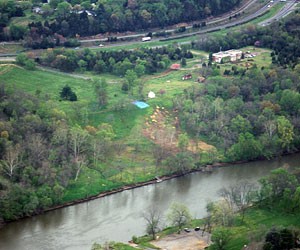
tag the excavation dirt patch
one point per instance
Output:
(187, 241)
(162, 127)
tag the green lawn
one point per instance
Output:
(257, 223)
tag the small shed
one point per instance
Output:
(201, 79)
(151, 94)
(175, 66)
(187, 76)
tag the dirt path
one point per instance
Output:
(187, 241)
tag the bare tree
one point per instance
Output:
(153, 219)
(78, 141)
(79, 161)
(11, 160)
(239, 196)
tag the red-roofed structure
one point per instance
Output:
(175, 66)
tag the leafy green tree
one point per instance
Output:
(183, 62)
(179, 215)
(17, 32)
(131, 78)
(220, 238)
(63, 9)
(285, 132)
(139, 69)
(183, 142)
(101, 92)
(222, 213)
(67, 94)
(182, 162)
(82, 65)
(247, 148)
(275, 186)
(240, 125)
(23, 60)
(153, 220)
(279, 239)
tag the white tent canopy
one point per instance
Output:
(151, 94)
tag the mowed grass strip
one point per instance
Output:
(47, 82)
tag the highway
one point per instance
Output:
(212, 25)
(283, 12)
(215, 24)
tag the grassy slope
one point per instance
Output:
(127, 124)
(257, 223)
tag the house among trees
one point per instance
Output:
(175, 66)
(227, 56)
(187, 76)
(201, 79)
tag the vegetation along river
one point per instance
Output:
(119, 216)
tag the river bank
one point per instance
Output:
(205, 169)
(117, 217)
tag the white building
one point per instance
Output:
(227, 56)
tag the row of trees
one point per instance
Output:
(141, 61)
(246, 116)
(86, 18)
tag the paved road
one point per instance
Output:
(212, 25)
(283, 12)
(214, 21)
(210, 28)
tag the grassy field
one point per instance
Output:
(257, 223)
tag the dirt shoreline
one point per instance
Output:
(204, 169)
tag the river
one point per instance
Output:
(119, 216)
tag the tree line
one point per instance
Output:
(144, 60)
(84, 18)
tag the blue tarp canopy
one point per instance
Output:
(140, 104)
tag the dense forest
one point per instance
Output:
(41, 153)
(84, 18)
(248, 116)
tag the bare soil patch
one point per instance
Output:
(187, 241)
(162, 127)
